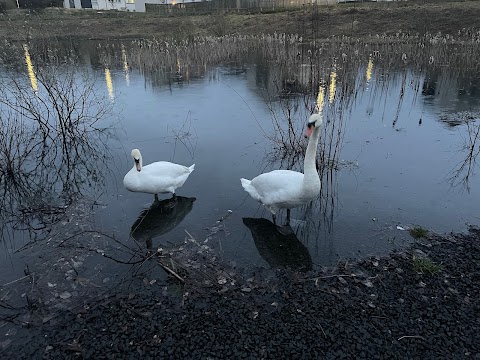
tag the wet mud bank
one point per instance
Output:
(421, 302)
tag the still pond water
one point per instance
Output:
(400, 135)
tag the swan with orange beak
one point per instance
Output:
(287, 189)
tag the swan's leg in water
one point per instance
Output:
(288, 217)
(274, 219)
(156, 197)
(174, 196)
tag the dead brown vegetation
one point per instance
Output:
(355, 20)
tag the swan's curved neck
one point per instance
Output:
(309, 163)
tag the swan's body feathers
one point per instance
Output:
(157, 178)
(277, 189)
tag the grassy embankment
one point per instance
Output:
(355, 20)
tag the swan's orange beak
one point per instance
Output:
(309, 130)
(137, 165)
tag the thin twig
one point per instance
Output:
(144, 260)
(192, 238)
(171, 272)
(85, 232)
(14, 281)
(411, 336)
(327, 277)
(379, 317)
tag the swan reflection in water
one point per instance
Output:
(278, 247)
(160, 218)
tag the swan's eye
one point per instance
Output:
(311, 124)
(136, 160)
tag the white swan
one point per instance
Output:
(158, 177)
(286, 189)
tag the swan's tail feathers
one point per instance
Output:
(249, 188)
(191, 168)
(245, 183)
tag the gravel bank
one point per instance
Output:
(421, 303)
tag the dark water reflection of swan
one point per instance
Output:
(160, 218)
(278, 247)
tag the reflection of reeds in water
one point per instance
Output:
(52, 147)
(299, 65)
(125, 65)
(279, 53)
(186, 136)
(461, 175)
(333, 85)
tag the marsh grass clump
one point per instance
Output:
(426, 265)
(418, 232)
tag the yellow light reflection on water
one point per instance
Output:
(368, 74)
(108, 80)
(31, 73)
(321, 98)
(333, 85)
(125, 65)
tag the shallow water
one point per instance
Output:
(403, 134)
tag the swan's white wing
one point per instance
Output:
(278, 186)
(166, 169)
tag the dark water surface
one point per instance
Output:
(399, 131)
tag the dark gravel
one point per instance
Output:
(397, 307)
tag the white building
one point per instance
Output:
(140, 4)
(125, 5)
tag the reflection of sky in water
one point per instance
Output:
(401, 177)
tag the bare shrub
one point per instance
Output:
(53, 138)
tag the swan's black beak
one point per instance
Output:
(310, 128)
(137, 164)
